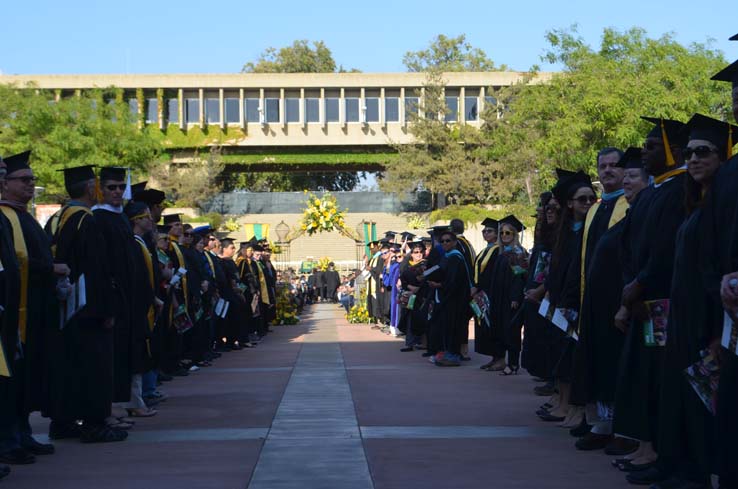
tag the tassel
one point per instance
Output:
(98, 191)
(730, 142)
(127, 194)
(667, 147)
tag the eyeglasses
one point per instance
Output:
(446, 241)
(586, 199)
(113, 186)
(25, 180)
(507, 233)
(700, 151)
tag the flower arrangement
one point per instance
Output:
(286, 307)
(322, 214)
(322, 263)
(416, 222)
(358, 315)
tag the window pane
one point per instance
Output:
(231, 111)
(352, 110)
(212, 110)
(452, 106)
(411, 107)
(152, 111)
(173, 110)
(192, 110)
(331, 110)
(292, 109)
(372, 109)
(312, 109)
(133, 105)
(392, 109)
(252, 109)
(470, 108)
(272, 109)
(489, 102)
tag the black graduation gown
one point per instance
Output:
(649, 238)
(142, 299)
(232, 318)
(9, 300)
(719, 256)
(539, 333)
(453, 302)
(495, 280)
(562, 285)
(33, 384)
(686, 427)
(600, 343)
(119, 241)
(84, 367)
(332, 281)
(600, 302)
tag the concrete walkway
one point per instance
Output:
(326, 404)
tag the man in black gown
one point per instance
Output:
(37, 312)
(649, 239)
(86, 361)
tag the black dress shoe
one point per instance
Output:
(17, 456)
(37, 448)
(620, 446)
(581, 430)
(645, 477)
(61, 431)
(407, 348)
(551, 418)
(592, 441)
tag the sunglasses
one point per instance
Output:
(113, 186)
(446, 241)
(25, 180)
(507, 233)
(700, 151)
(485, 231)
(586, 199)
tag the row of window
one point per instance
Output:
(270, 112)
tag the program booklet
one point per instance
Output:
(704, 377)
(654, 329)
(729, 338)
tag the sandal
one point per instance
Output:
(142, 412)
(508, 370)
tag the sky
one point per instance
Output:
(186, 36)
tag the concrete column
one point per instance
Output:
(462, 105)
(241, 112)
(282, 114)
(302, 117)
(401, 108)
(342, 108)
(321, 108)
(180, 109)
(482, 101)
(382, 115)
(201, 96)
(362, 104)
(221, 105)
(262, 107)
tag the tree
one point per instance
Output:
(449, 54)
(95, 127)
(291, 182)
(298, 58)
(194, 183)
(599, 96)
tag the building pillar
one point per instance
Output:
(462, 106)
(342, 108)
(241, 112)
(401, 108)
(282, 107)
(382, 102)
(301, 108)
(201, 97)
(180, 109)
(321, 109)
(221, 106)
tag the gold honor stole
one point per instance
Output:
(21, 254)
(371, 286)
(59, 219)
(480, 264)
(262, 284)
(618, 213)
(180, 258)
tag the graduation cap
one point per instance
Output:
(670, 131)
(203, 230)
(78, 174)
(170, 219)
(136, 210)
(721, 134)
(163, 228)
(384, 244)
(631, 159)
(257, 247)
(490, 223)
(149, 196)
(390, 234)
(17, 162)
(114, 173)
(728, 74)
(733, 38)
(436, 230)
(137, 188)
(512, 221)
(406, 236)
(561, 173)
(566, 187)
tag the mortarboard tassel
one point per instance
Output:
(730, 142)
(667, 147)
(98, 191)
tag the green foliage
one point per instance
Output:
(95, 127)
(475, 214)
(449, 54)
(193, 183)
(284, 156)
(290, 182)
(298, 58)
(598, 98)
(215, 219)
(194, 137)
